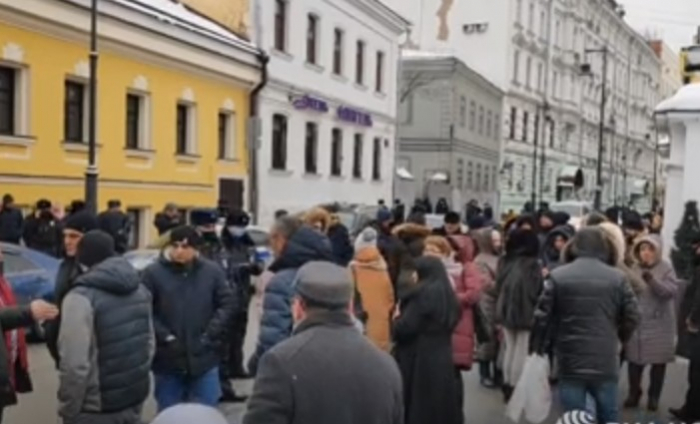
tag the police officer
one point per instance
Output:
(204, 220)
(242, 266)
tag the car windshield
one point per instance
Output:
(348, 219)
(575, 211)
(15, 263)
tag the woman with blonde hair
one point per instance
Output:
(318, 218)
(371, 276)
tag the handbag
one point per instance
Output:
(481, 325)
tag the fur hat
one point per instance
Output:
(318, 217)
(82, 222)
(616, 238)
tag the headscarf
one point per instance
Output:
(435, 285)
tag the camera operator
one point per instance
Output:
(42, 231)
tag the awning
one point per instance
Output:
(570, 176)
(404, 174)
(439, 177)
(638, 187)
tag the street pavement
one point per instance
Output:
(482, 406)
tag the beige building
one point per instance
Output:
(671, 74)
(233, 14)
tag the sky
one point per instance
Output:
(674, 21)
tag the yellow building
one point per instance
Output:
(234, 14)
(173, 100)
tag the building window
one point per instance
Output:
(487, 187)
(470, 175)
(481, 120)
(75, 116)
(528, 72)
(137, 121)
(557, 33)
(526, 117)
(357, 157)
(337, 152)
(8, 103)
(185, 129)
(552, 133)
(555, 84)
(227, 135)
(539, 77)
(519, 11)
(513, 122)
(279, 142)
(489, 117)
(379, 82)
(338, 51)
(281, 25)
(460, 173)
(311, 38)
(311, 148)
(496, 126)
(360, 63)
(377, 159)
(516, 66)
(478, 177)
(462, 112)
(134, 217)
(531, 16)
(543, 25)
(472, 116)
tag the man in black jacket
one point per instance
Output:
(168, 219)
(586, 310)
(42, 231)
(451, 226)
(106, 331)
(116, 223)
(327, 372)
(11, 221)
(192, 307)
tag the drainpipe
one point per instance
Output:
(254, 125)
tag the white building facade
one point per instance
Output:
(328, 112)
(533, 50)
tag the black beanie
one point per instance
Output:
(95, 247)
(186, 234)
(83, 222)
(237, 218)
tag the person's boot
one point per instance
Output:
(485, 375)
(656, 385)
(507, 392)
(228, 394)
(634, 373)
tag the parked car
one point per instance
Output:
(357, 217)
(576, 209)
(31, 274)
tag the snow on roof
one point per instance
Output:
(180, 15)
(424, 54)
(687, 99)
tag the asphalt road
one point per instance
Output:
(482, 406)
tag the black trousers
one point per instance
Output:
(231, 366)
(692, 396)
(460, 394)
(656, 377)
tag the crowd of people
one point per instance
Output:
(377, 328)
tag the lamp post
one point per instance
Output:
(586, 69)
(654, 187)
(91, 172)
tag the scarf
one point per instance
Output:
(15, 339)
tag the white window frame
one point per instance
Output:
(86, 108)
(21, 99)
(191, 142)
(230, 151)
(145, 140)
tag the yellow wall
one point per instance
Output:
(233, 14)
(46, 169)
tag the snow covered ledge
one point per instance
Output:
(679, 116)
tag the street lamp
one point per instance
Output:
(586, 69)
(91, 172)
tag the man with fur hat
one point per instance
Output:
(107, 311)
(74, 228)
(327, 371)
(42, 231)
(241, 266)
(192, 309)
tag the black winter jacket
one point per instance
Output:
(192, 306)
(585, 311)
(68, 271)
(11, 223)
(117, 225)
(343, 251)
(43, 233)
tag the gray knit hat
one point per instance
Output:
(367, 238)
(577, 417)
(325, 283)
(190, 413)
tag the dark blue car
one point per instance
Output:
(31, 274)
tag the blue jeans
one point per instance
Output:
(173, 389)
(574, 394)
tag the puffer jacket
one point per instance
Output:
(585, 310)
(372, 281)
(106, 342)
(551, 257)
(487, 264)
(276, 324)
(192, 306)
(654, 340)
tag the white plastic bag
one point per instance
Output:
(532, 394)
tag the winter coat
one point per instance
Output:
(423, 351)
(654, 340)
(164, 223)
(519, 281)
(43, 233)
(327, 372)
(372, 282)
(118, 225)
(12, 318)
(192, 306)
(276, 323)
(616, 240)
(585, 310)
(467, 284)
(551, 257)
(106, 342)
(343, 250)
(68, 271)
(11, 223)
(487, 264)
